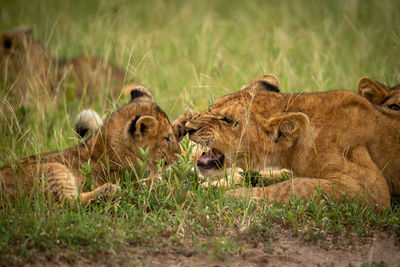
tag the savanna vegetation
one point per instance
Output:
(188, 54)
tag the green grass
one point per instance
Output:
(189, 53)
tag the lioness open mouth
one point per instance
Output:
(211, 159)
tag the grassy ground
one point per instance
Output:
(189, 53)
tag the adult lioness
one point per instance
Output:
(109, 151)
(323, 137)
(386, 99)
(29, 70)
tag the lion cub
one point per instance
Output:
(28, 70)
(110, 151)
(324, 138)
(385, 99)
(211, 163)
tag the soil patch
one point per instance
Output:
(285, 250)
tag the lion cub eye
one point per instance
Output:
(394, 107)
(228, 121)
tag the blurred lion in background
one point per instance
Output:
(28, 72)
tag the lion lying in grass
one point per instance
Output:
(385, 99)
(109, 152)
(30, 73)
(332, 141)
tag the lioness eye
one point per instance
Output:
(394, 107)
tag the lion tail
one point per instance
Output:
(87, 122)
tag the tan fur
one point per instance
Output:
(233, 176)
(264, 82)
(29, 71)
(178, 125)
(333, 141)
(112, 150)
(89, 121)
(385, 99)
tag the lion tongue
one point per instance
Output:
(206, 157)
(210, 158)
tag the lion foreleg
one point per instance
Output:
(274, 174)
(300, 187)
(233, 177)
(372, 189)
(87, 197)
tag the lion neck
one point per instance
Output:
(94, 152)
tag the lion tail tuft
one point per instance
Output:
(87, 122)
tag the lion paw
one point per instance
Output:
(178, 125)
(237, 193)
(255, 193)
(110, 189)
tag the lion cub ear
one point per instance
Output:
(144, 125)
(137, 92)
(372, 90)
(286, 126)
(267, 82)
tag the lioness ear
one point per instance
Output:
(372, 90)
(266, 82)
(144, 125)
(283, 126)
(138, 92)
